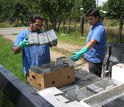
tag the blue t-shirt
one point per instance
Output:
(97, 52)
(32, 55)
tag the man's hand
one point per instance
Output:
(24, 43)
(77, 55)
(53, 43)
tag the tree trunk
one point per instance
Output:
(68, 27)
(120, 28)
(82, 25)
(59, 23)
(64, 25)
(75, 24)
(53, 24)
(22, 21)
(46, 24)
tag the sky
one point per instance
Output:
(100, 2)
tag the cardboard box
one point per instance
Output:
(57, 78)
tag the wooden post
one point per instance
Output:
(68, 27)
(82, 25)
(46, 24)
(120, 27)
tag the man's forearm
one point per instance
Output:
(91, 43)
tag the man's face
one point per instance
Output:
(36, 27)
(92, 20)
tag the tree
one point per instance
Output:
(116, 10)
(21, 11)
(55, 9)
(76, 11)
(6, 9)
(86, 5)
(13, 10)
(105, 6)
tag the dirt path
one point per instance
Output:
(68, 46)
(10, 33)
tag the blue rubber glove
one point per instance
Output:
(24, 43)
(77, 55)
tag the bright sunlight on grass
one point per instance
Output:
(10, 61)
(73, 38)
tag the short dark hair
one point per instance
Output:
(34, 18)
(93, 12)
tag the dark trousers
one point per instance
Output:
(95, 68)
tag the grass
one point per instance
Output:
(10, 61)
(7, 24)
(73, 38)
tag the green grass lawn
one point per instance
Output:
(7, 24)
(72, 38)
(10, 61)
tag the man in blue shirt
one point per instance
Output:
(94, 50)
(32, 55)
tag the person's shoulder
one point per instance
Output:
(100, 27)
(23, 33)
